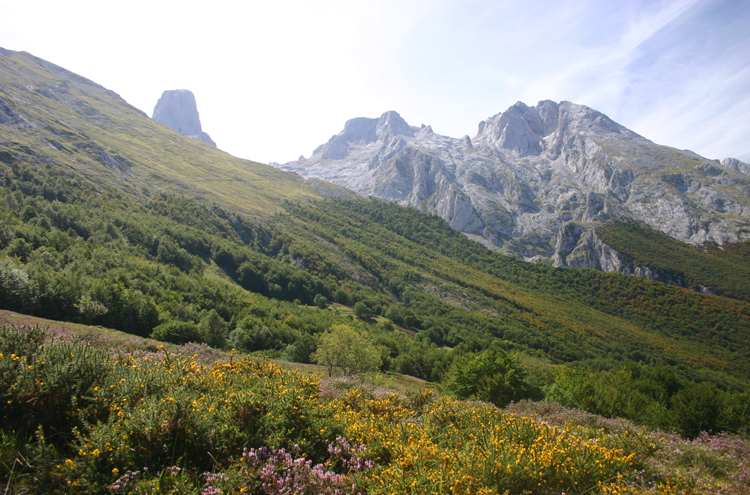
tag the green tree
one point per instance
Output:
(301, 350)
(90, 308)
(341, 297)
(213, 329)
(394, 314)
(362, 311)
(348, 349)
(320, 301)
(177, 332)
(697, 408)
(492, 376)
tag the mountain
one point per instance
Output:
(51, 116)
(111, 219)
(177, 110)
(536, 182)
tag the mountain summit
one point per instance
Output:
(536, 181)
(177, 110)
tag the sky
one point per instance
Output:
(275, 79)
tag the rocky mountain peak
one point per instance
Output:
(177, 110)
(530, 131)
(363, 130)
(736, 166)
(391, 123)
(537, 180)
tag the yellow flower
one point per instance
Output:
(69, 463)
(115, 471)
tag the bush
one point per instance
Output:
(362, 311)
(492, 376)
(178, 332)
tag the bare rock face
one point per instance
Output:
(736, 165)
(535, 181)
(177, 110)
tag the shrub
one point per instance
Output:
(492, 376)
(177, 332)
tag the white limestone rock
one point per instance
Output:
(177, 110)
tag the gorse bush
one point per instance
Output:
(46, 385)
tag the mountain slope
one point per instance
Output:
(709, 268)
(535, 181)
(50, 115)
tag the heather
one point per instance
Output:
(79, 416)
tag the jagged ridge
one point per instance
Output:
(535, 181)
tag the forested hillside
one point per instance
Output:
(181, 271)
(722, 270)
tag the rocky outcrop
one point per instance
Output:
(177, 110)
(536, 181)
(736, 166)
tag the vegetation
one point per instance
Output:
(181, 272)
(242, 260)
(722, 270)
(155, 421)
(347, 349)
(491, 376)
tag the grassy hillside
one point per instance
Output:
(569, 314)
(58, 118)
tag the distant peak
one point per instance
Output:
(177, 110)
(392, 123)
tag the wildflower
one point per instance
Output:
(69, 463)
(115, 471)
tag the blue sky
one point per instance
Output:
(273, 80)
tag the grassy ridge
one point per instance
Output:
(68, 121)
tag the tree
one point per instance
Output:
(348, 349)
(91, 308)
(697, 408)
(362, 311)
(320, 301)
(177, 332)
(394, 314)
(492, 376)
(251, 278)
(213, 329)
(341, 297)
